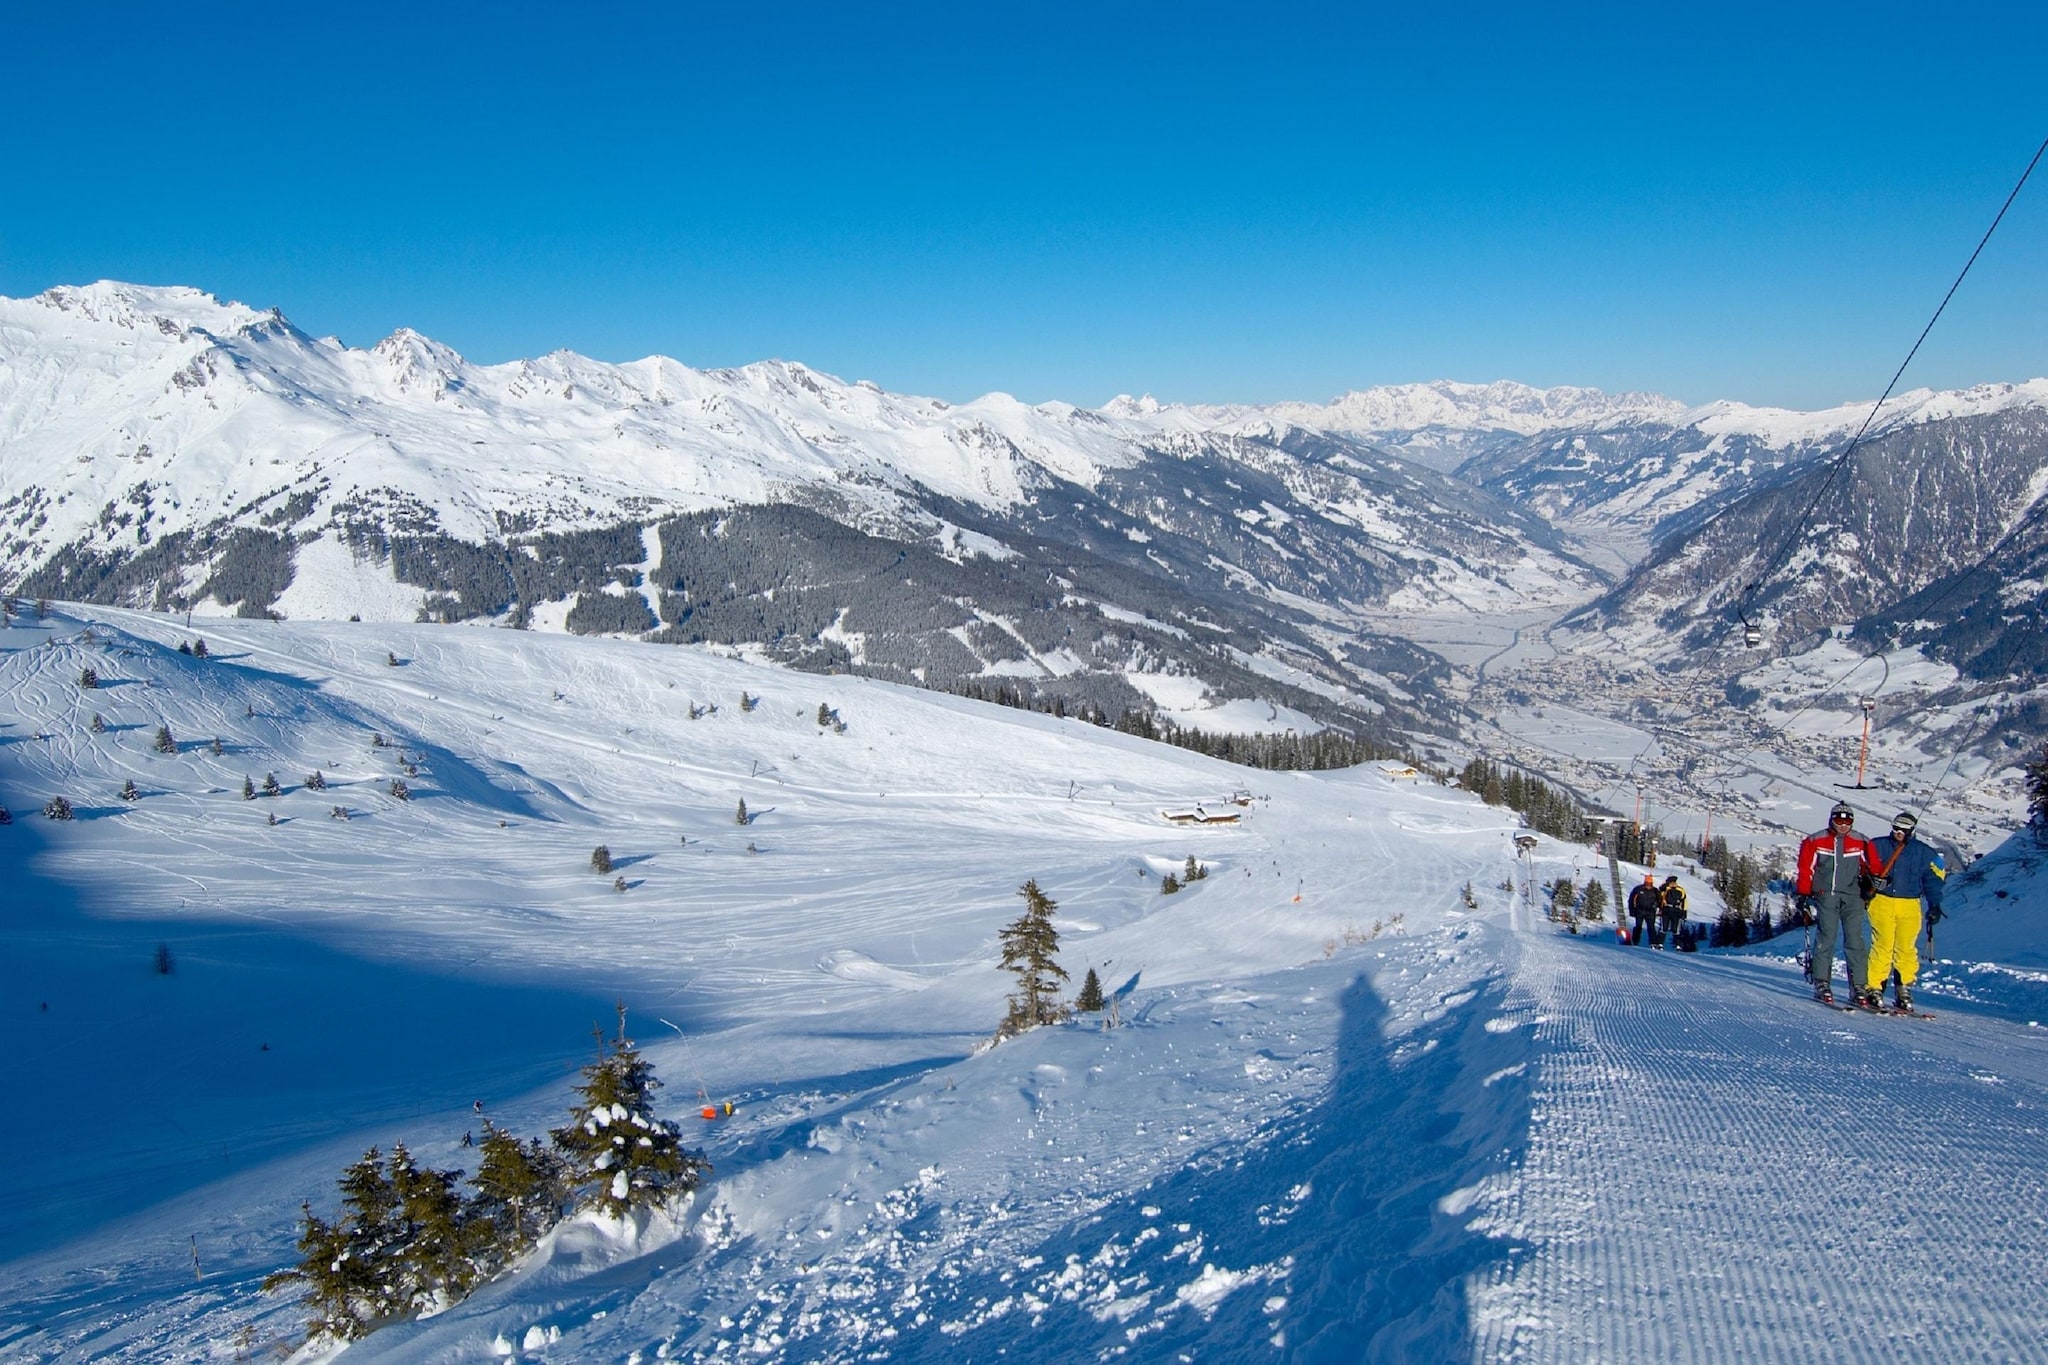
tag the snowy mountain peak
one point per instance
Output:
(1123, 405)
(170, 309)
(1503, 405)
(418, 362)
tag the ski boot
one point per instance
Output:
(1823, 994)
(1902, 999)
(1868, 999)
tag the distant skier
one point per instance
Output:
(1908, 874)
(1671, 912)
(1831, 865)
(1643, 904)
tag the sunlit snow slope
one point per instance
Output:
(1347, 1118)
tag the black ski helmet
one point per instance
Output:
(1905, 822)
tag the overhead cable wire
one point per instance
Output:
(1841, 462)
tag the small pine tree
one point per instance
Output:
(618, 883)
(199, 649)
(184, 646)
(89, 679)
(217, 747)
(437, 1262)
(6, 816)
(400, 790)
(1593, 904)
(270, 787)
(601, 859)
(99, 723)
(338, 813)
(390, 659)
(1193, 872)
(164, 965)
(348, 1267)
(164, 743)
(248, 788)
(824, 714)
(1168, 884)
(519, 1191)
(740, 816)
(128, 792)
(316, 781)
(621, 1157)
(59, 809)
(748, 703)
(1029, 944)
(1090, 998)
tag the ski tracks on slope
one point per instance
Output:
(1721, 1171)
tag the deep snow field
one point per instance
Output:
(1346, 1118)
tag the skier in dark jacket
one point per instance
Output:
(1831, 864)
(1642, 908)
(1908, 875)
(1670, 911)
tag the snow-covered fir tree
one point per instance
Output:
(621, 1156)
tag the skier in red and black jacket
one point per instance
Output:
(1831, 865)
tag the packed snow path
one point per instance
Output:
(1720, 1169)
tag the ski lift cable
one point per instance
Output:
(1986, 712)
(1925, 608)
(1746, 603)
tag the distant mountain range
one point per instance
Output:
(160, 448)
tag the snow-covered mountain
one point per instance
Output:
(160, 448)
(1931, 533)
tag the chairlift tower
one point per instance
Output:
(1863, 752)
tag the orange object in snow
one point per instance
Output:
(710, 1112)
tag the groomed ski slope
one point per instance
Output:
(1325, 1132)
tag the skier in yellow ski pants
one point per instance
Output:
(1908, 874)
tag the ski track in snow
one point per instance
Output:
(1718, 1165)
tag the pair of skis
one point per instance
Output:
(1915, 1012)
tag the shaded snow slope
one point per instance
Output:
(1346, 1118)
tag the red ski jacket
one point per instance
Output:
(1832, 862)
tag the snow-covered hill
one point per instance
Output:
(1348, 1116)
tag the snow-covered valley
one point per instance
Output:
(1346, 1117)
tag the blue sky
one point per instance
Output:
(1207, 202)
